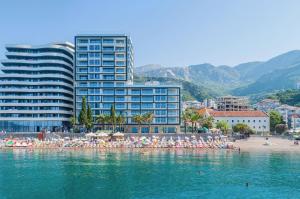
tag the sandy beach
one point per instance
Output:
(275, 144)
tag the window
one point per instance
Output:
(95, 41)
(160, 98)
(108, 84)
(173, 91)
(83, 84)
(120, 92)
(81, 55)
(147, 98)
(82, 41)
(172, 105)
(160, 91)
(172, 120)
(161, 105)
(120, 70)
(108, 56)
(160, 112)
(173, 112)
(147, 105)
(120, 105)
(120, 77)
(119, 41)
(108, 70)
(120, 84)
(108, 77)
(160, 120)
(94, 55)
(82, 63)
(108, 63)
(83, 70)
(172, 98)
(120, 99)
(94, 47)
(135, 106)
(81, 48)
(135, 91)
(120, 55)
(147, 91)
(120, 49)
(108, 48)
(108, 98)
(120, 63)
(108, 91)
(108, 41)
(135, 98)
(107, 105)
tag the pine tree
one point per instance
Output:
(89, 125)
(82, 118)
(113, 117)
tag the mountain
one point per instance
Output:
(201, 74)
(277, 73)
(189, 90)
(290, 97)
(256, 70)
(280, 79)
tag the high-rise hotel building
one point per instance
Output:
(104, 75)
(36, 87)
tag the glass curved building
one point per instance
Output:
(36, 87)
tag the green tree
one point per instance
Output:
(186, 117)
(208, 122)
(139, 119)
(89, 122)
(280, 128)
(120, 120)
(242, 128)
(275, 118)
(82, 118)
(113, 118)
(73, 121)
(148, 118)
(195, 118)
(223, 126)
(101, 120)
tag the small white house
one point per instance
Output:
(259, 121)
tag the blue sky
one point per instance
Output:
(167, 32)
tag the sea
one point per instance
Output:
(148, 174)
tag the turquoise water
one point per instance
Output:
(164, 174)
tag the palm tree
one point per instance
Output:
(139, 119)
(195, 118)
(186, 117)
(113, 117)
(120, 119)
(223, 126)
(148, 118)
(101, 120)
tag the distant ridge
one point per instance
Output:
(278, 73)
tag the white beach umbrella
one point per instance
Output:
(118, 134)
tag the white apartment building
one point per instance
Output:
(257, 120)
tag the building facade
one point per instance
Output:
(232, 103)
(104, 75)
(256, 120)
(36, 87)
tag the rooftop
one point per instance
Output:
(238, 114)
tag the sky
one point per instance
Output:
(166, 32)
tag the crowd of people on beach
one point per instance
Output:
(119, 142)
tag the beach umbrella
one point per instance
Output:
(101, 134)
(90, 135)
(118, 134)
(9, 143)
